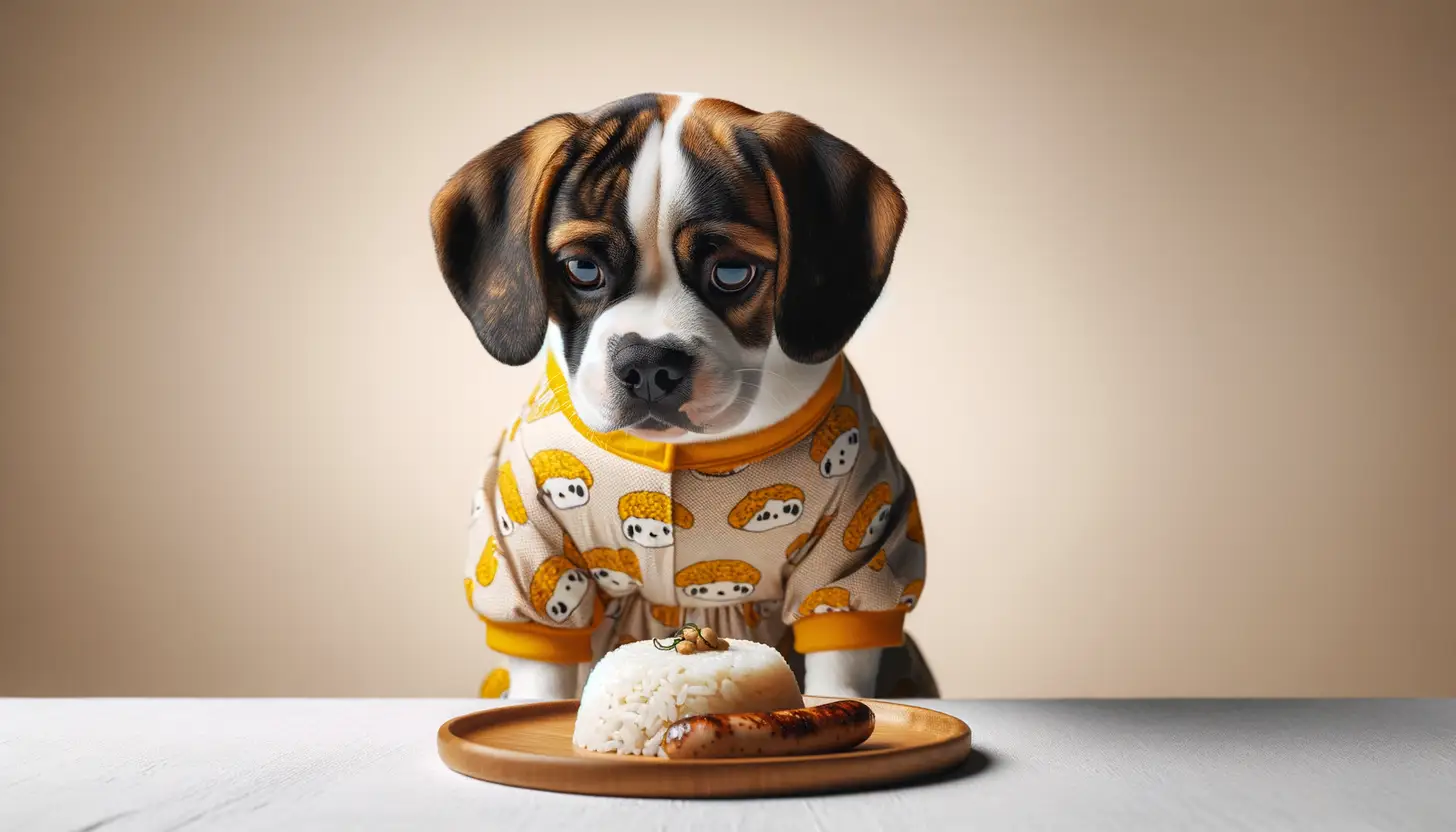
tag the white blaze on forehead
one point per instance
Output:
(642, 188)
(674, 175)
(659, 304)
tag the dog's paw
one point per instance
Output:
(842, 673)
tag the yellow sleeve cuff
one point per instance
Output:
(849, 631)
(529, 640)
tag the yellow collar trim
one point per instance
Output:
(726, 453)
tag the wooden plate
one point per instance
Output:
(530, 746)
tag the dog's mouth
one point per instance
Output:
(667, 423)
(714, 398)
(701, 414)
(652, 427)
(653, 421)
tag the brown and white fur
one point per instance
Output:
(621, 235)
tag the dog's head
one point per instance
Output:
(687, 251)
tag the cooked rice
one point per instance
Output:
(637, 690)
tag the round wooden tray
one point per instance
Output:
(530, 746)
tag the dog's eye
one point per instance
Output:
(584, 274)
(731, 277)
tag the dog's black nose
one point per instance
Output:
(650, 372)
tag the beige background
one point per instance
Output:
(1170, 343)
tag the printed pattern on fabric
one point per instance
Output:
(564, 525)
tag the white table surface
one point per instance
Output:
(123, 764)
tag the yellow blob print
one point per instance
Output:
(496, 682)
(486, 566)
(751, 616)
(667, 616)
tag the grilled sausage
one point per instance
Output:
(837, 726)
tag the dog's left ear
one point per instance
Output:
(489, 223)
(839, 217)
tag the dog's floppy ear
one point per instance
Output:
(839, 217)
(489, 222)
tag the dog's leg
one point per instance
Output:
(843, 673)
(541, 680)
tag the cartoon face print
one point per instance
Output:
(648, 518)
(616, 571)
(718, 592)
(827, 599)
(910, 595)
(645, 531)
(717, 582)
(878, 561)
(571, 589)
(566, 492)
(503, 520)
(562, 478)
(878, 523)
(836, 443)
(558, 588)
(510, 509)
(615, 582)
(775, 513)
(768, 508)
(842, 455)
(870, 519)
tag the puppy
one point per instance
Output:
(697, 449)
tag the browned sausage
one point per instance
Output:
(837, 726)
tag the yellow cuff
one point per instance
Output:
(529, 640)
(849, 631)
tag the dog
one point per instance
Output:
(698, 450)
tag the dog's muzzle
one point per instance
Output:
(656, 376)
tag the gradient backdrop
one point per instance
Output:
(1170, 342)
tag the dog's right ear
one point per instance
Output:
(489, 222)
(839, 219)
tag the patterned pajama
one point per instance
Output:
(582, 541)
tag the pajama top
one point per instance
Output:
(580, 541)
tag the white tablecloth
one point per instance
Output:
(108, 764)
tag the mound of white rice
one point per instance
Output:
(637, 690)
